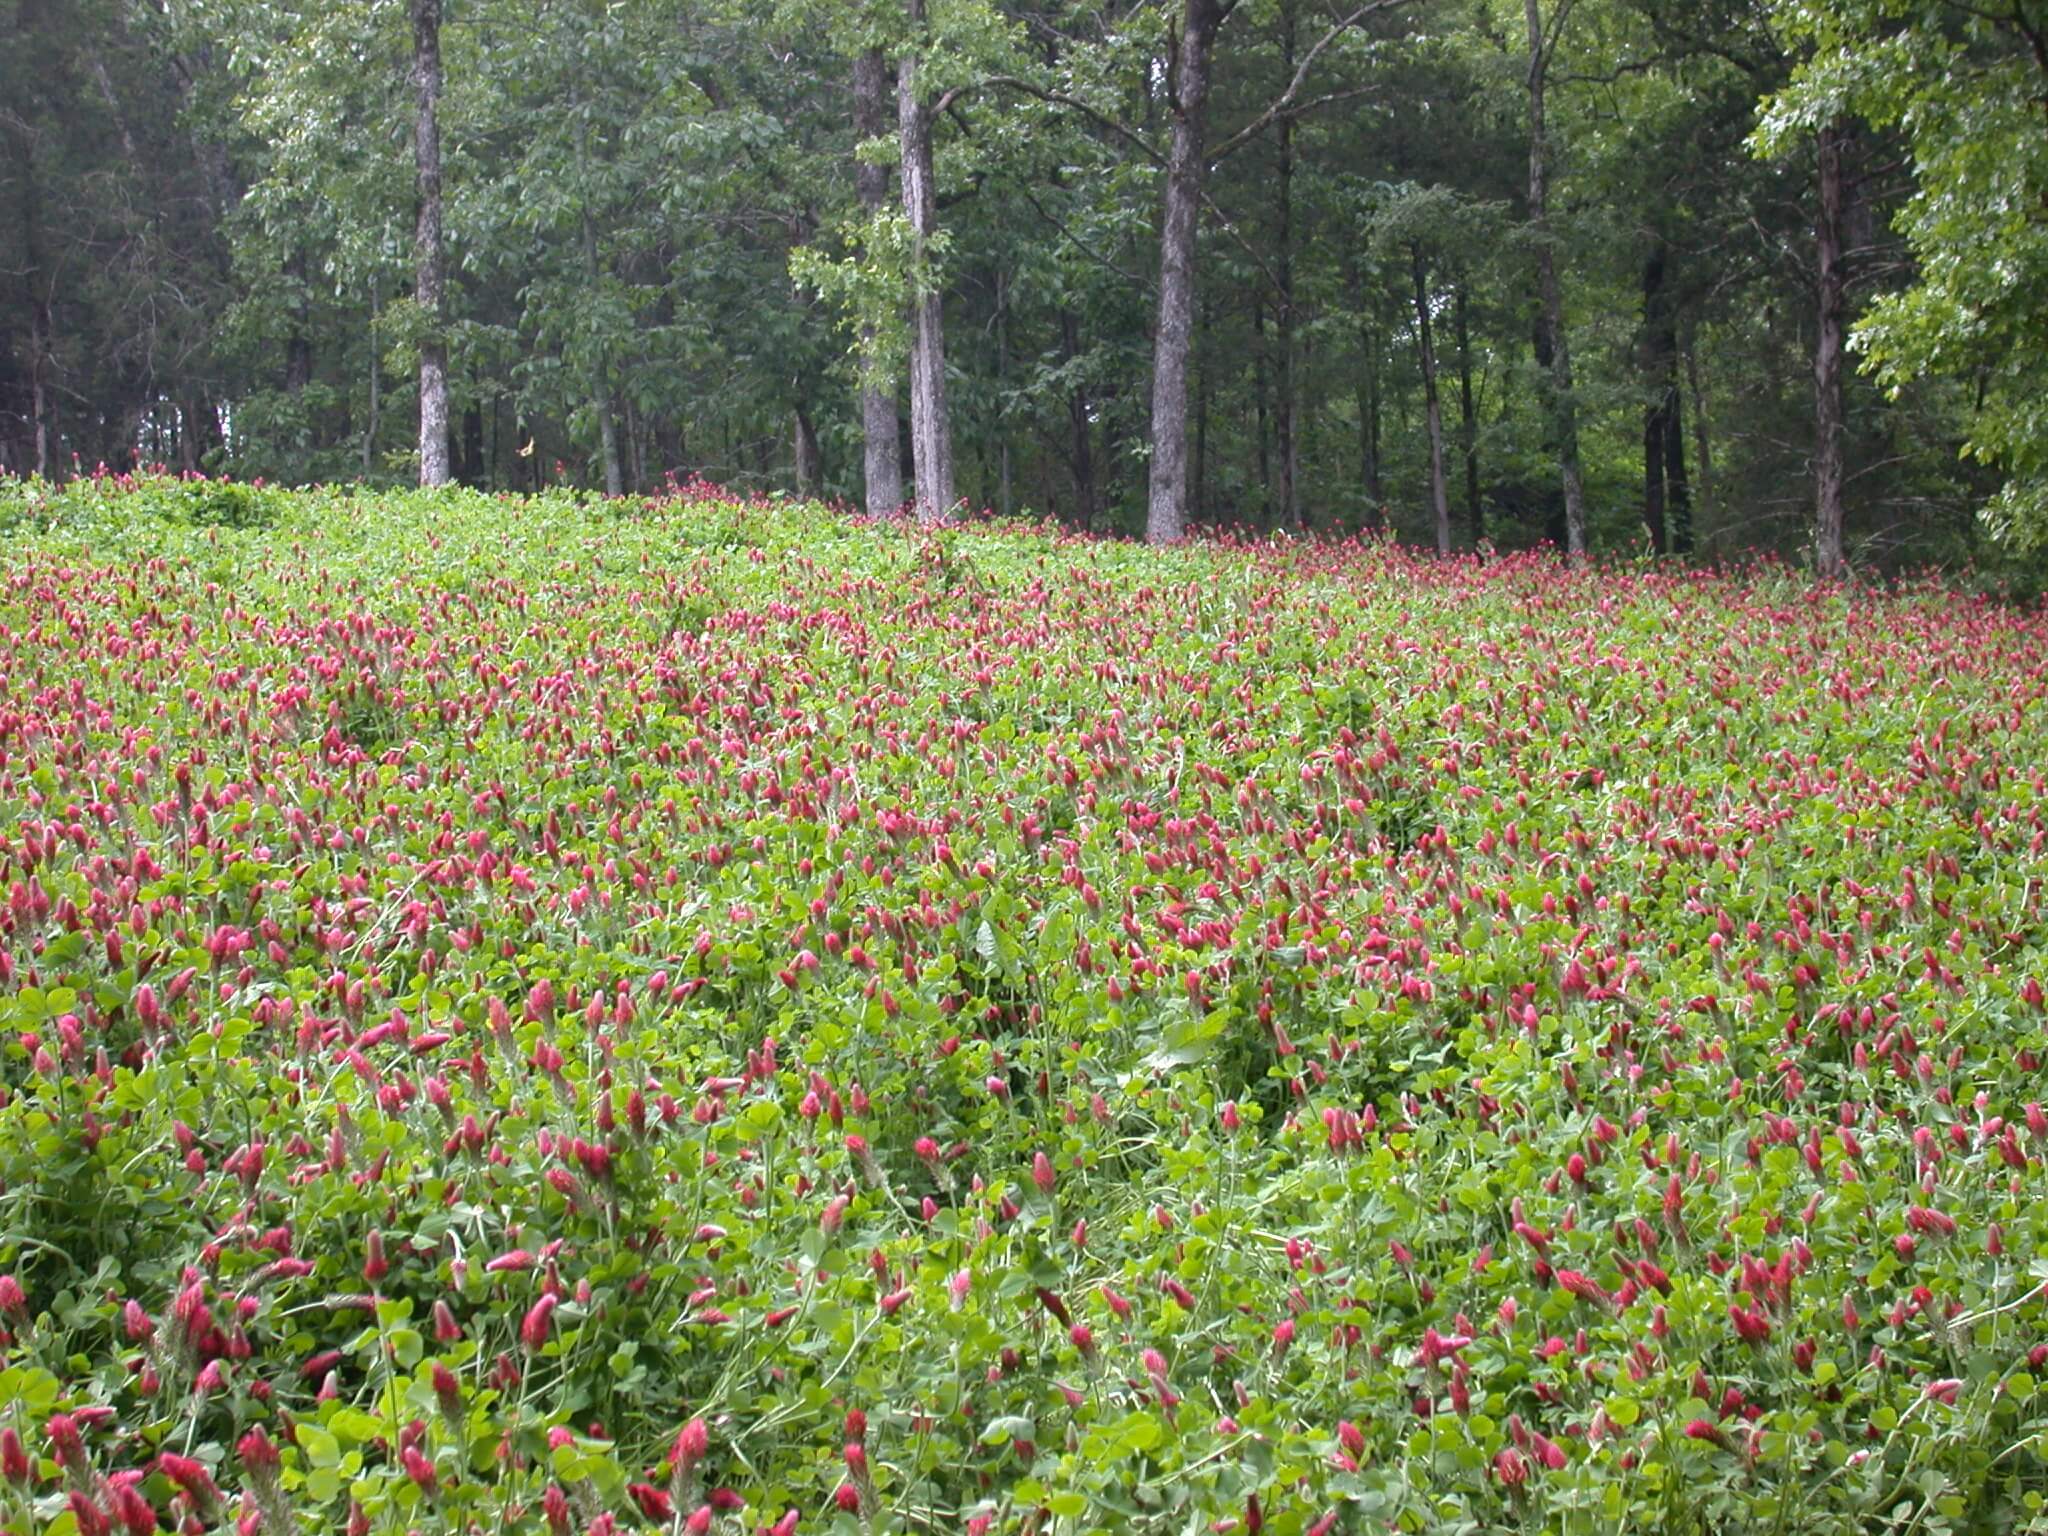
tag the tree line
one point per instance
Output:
(1675, 276)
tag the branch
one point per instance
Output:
(1557, 20)
(1055, 98)
(1078, 243)
(1230, 229)
(1283, 104)
(1615, 75)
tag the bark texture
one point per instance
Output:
(1553, 346)
(1173, 334)
(1433, 411)
(1828, 475)
(429, 261)
(881, 456)
(931, 438)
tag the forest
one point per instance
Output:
(1645, 277)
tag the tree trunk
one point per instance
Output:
(36, 289)
(1425, 352)
(1702, 438)
(298, 346)
(636, 448)
(39, 386)
(1167, 493)
(881, 458)
(1468, 421)
(601, 390)
(1828, 556)
(1080, 428)
(1198, 487)
(376, 388)
(810, 459)
(1002, 376)
(1657, 348)
(428, 258)
(1262, 416)
(1368, 390)
(1553, 347)
(1677, 488)
(1667, 496)
(35, 296)
(1286, 428)
(931, 439)
(473, 469)
(200, 432)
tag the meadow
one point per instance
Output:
(572, 1016)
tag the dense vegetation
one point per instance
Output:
(573, 1015)
(1597, 271)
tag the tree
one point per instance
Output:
(1831, 303)
(1963, 82)
(1173, 332)
(1133, 233)
(1422, 228)
(931, 432)
(881, 455)
(1553, 341)
(429, 259)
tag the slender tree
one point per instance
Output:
(931, 433)
(1828, 346)
(1433, 412)
(1173, 333)
(881, 458)
(1553, 345)
(429, 258)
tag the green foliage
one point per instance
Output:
(654, 237)
(1123, 1038)
(1963, 86)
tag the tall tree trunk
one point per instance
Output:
(881, 458)
(1657, 362)
(298, 346)
(1653, 476)
(931, 438)
(376, 388)
(1262, 416)
(1368, 390)
(1828, 556)
(1677, 488)
(473, 469)
(1667, 496)
(1002, 385)
(1553, 347)
(1425, 352)
(199, 419)
(39, 387)
(601, 386)
(1702, 438)
(1080, 429)
(35, 297)
(428, 257)
(810, 459)
(1198, 487)
(1286, 428)
(1167, 493)
(1468, 419)
(636, 446)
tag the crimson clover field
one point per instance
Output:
(552, 1016)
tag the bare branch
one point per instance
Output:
(1100, 119)
(1283, 104)
(1133, 278)
(1230, 228)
